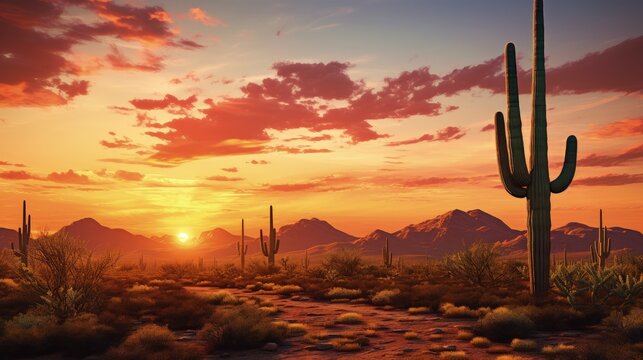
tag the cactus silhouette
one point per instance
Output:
(242, 248)
(533, 184)
(24, 236)
(602, 247)
(387, 256)
(272, 247)
(305, 262)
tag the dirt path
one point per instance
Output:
(389, 341)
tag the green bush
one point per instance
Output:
(503, 324)
(240, 327)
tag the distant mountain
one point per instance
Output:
(101, 238)
(8, 236)
(577, 237)
(218, 238)
(307, 233)
(443, 234)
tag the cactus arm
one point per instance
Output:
(264, 250)
(503, 160)
(569, 167)
(514, 128)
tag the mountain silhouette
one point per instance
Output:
(307, 233)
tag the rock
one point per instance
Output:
(437, 331)
(449, 348)
(184, 338)
(270, 346)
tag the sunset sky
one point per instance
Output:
(164, 117)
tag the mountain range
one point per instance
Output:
(436, 237)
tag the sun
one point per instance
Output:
(183, 237)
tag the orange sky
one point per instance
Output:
(166, 118)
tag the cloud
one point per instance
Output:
(625, 127)
(128, 175)
(39, 67)
(447, 134)
(328, 183)
(118, 61)
(258, 162)
(201, 16)
(298, 150)
(123, 143)
(610, 180)
(632, 154)
(429, 181)
(70, 177)
(311, 138)
(231, 169)
(6, 163)
(17, 175)
(223, 178)
(488, 127)
(168, 102)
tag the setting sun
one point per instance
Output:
(183, 237)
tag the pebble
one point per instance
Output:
(270, 346)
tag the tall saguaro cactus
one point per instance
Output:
(533, 183)
(24, 236)
(602, 247)
(242, 248)
(387, 255)
(270, 248)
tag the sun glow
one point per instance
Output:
(183, 237)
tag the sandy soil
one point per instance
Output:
(391, 324)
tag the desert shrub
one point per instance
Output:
(558, 349)
(606, 350)
(161, 282)
(221, 297)
(286, 289)
(258, 268)
(240, 327)
(345, 345)
(141, 288)
(411, 335)
(477, 265)
(179, 270)
(524, 345)
(503, 324)
(632, 325)
(464, 335)
(453, 355)
(8, 263)
(343, 262)
(349, 318)
(296, 329)
(343, 293)
(509, 357)
(152, 342)
(451, 311)
(84, 335)
(419, 310)
(558, 317)
(28, 334)
(182, 310)
(480, 342)
(384, 297)
(65, 276)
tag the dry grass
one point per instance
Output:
(384, 297)
(349, 318)
(559, 349)
(141, 288)
(451, 311)
(346, 345)
(509, 357)
(480, 342)
(464, 335)
(524, 345)
(221, 297)
(343, 293)
(411, 335)
(453, 355)
(297, 329)
(419, 310)
(503, 324)
(152, 342)
(286, 289)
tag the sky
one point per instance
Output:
(164, 117)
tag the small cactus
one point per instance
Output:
(387, 256)
(602, 247)
(305, 262)
(24, 236)
(242, 247)
(565, 256)
(270, 248)
(141, 264)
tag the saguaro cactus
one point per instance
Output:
(533, 184)
(242, 248)
(387, 255)
(602, 247)
(272, 247)
(305, 262)
(24, 236)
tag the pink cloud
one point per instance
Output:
(128, 175)
(224, 178)
(201, 16)
(625, 127)
(488, 127)
(230, 169)
(17, 175)
(610, 180)
(70, 176)
(119, 61)
(446, 134)
(629, 155)
(123, 143)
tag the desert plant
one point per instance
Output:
(141, 264)
(178, 270)
(200, 264)
(602, 247)
(65, 276)
(387, 256)
(270, 248)
(451, 311)
(343, 293)
(480, 342)
(152, 342)
(288, 267)
(242, 247)
(627, 288)
(558, 350)
(523, 345)
(385, 297)
(503, 324)
(24, 237)
(305, 262)
(476, 265)
(345, 263)
(534, 185)
(632, 325)
(349, 318)
(240, 327)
